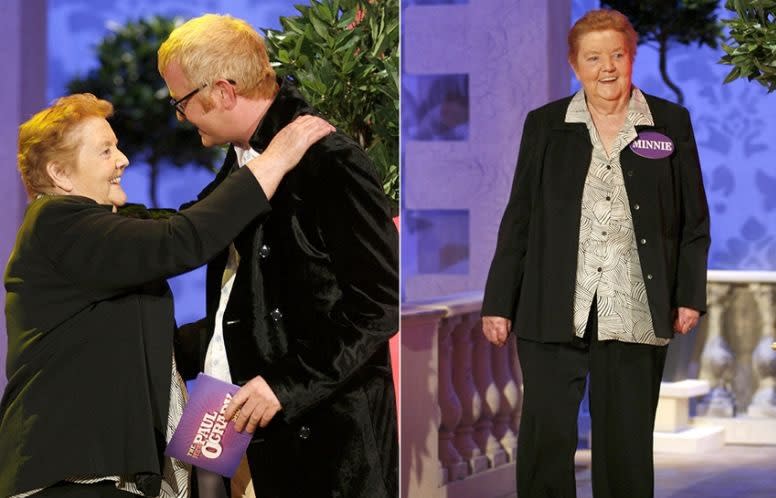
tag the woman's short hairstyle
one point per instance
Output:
(213, 47)
(602, 20)
(48, 136)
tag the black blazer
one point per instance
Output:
(314, 303)
(90, 341)
(533, 273)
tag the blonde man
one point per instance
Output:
(301, 308)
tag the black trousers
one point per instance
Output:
(624, 389)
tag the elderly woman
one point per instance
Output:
(601, 257)
(87, 410)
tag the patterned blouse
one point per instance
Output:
(608, 260)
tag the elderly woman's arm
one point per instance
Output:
(502, 290)
(694, 238)
(93, 248)
(689, 297)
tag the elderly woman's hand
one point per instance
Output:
(496, 329)
(685, 319)
(291, 143)
(286, 150)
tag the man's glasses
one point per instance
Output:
(180, 104)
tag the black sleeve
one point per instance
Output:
(188, 343)
(363, 245)
(694, 235)
(502, 290)
(95, 248)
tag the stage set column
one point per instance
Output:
(22, 92)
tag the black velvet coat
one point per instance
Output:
(314, 303)
(90, 342)
(533, 273)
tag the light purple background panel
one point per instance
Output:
(504, 46)
(23, 55)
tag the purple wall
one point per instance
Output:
(483, 65)
(22, 91)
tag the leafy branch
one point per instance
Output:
(344, 56)
(752, 47)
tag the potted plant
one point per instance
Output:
(344, 57)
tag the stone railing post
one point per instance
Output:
(421, 472)
(489, 393)
(764, 358)
(717, 360)
(509, 391)
(449, 404)
(471, 402)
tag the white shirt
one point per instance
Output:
(216, 362)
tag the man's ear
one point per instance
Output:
(225, 93)
(59, 176)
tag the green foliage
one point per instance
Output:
(344, 56)
(752, 48)
(665, 21)
(144, 121)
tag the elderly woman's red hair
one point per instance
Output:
(48, 136)
(602, 20)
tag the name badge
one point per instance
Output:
(652, 145)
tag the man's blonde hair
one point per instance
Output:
(213, 47)
(48, 137)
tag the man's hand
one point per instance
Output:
(496, 329)
(254, 404)
(685, 319)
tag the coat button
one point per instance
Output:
(304, 432)
(630, 172)
(264, 251)
(643, 242)
(276, 314)
(649, 276)
(636, 207)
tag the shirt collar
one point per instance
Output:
(244, 155)
(638, 109)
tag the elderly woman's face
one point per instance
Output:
(100, 164)
(604, 65)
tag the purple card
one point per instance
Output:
(204, 438)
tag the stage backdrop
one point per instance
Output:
(484, 64)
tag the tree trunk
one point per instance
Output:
(663, 43)
(153, 180)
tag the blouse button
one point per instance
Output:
(264, 251)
